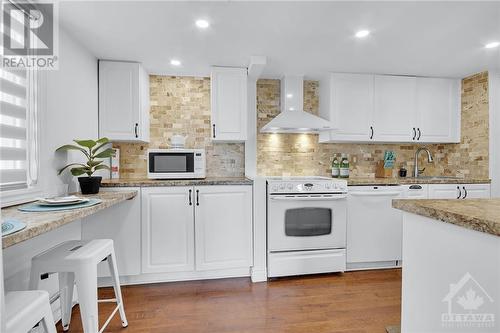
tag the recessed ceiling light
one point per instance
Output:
(289, 95)
(175, 62)
(202, 24)
(492, 45)
(362, 33)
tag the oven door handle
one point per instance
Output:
(374, 194)
(280, 198)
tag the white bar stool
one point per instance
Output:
(77, 260)
(25, 309)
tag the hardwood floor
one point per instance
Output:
(352, 302)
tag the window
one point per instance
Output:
(18, 131)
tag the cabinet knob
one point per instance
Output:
(197, 197)
(136, 130)
(465, 193)
(419, 134)
(371, 132)
(190, 201)
(459, 192)
(414, 133)
(213, 131)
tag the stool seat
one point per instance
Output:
(25, 309)
(69, 252)
(76, 261)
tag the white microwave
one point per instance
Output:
(176, 163)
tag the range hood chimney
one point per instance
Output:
(293, 118)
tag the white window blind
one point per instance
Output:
(18, 122)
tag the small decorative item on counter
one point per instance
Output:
(402, 171)
(335, 167)
(385, 167)
(344, 167)
(115, 164)
(95, 152)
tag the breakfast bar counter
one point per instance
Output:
(42, 222)
(451, 265)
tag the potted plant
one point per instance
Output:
(94, 153)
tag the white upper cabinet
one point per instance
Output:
(385, 108)
(394, 108)
(229, 103)
(438, 110)
(347, 101)
(123, 101)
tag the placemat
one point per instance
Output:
(10, 226)
(34, 207)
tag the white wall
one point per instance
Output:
(70, 111)
(494, 111)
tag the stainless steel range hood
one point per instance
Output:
(293, 119)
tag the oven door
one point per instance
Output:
(306, 222)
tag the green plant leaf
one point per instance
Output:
(73, 147)
(93, 163)
(69, 165)
(102, 144)
(106, 153)
(86, 143)
(102, 167)
(102, 140)
(80, 171)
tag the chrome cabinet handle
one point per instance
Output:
(419, 134)
(190, 200)
(465, 193)
(414, 133)
(459, 192)
(213, 132)
(197, 197)
(135, 130)
(371, 131)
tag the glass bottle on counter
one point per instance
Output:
(344, 167)
(335, 167)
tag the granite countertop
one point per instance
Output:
(144, 182)
(477, 214)
(411, 180)
(41, 222)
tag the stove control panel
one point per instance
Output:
(305, 186)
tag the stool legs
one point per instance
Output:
(48, 320)
(86, 282)
(66, 286)
(116, 286)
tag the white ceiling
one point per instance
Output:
(426, 38)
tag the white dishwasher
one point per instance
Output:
(374, 228)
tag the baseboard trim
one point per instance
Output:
(259, 275)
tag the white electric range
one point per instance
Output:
(306, 225)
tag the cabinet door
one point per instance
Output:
(223, 219)
(445, 191)
(394, 109)
(351, 107)
(476, 191)
(118, 100)
(167, 229)
(122, 224)
(438, 110)
(229, 104)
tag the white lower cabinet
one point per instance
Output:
(223, 227)
(202, 228)
(167, 229)
(459, 191)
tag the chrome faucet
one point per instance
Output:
(416, 171)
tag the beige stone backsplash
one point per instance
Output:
(181, 105)
(301, 154)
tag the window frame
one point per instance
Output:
(34, 103)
